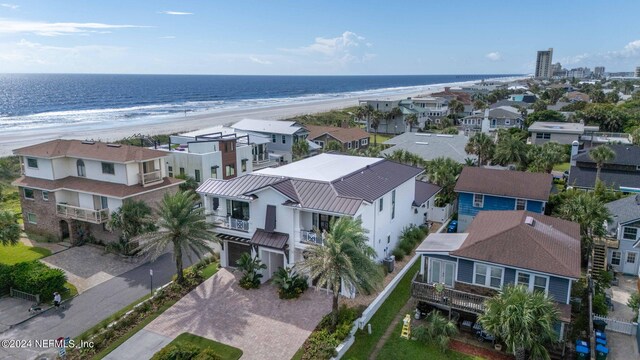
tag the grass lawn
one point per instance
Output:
(381, 138)
(400, 349)
(225, 352)
(11, 200)
(380, 322)
(13, 254)
(72, 291)
(210, 270)
(562, 167)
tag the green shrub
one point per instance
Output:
(207, 354)
(5, 278)
(250, 268)
(634, 304)
(406, 245)
(35, 277)
(398, 253)
(178, 351)
(320, 345)
(290, 284)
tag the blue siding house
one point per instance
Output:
(481, 189)
(500, 248)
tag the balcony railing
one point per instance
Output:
(82, 214)
(150, 177)
(228, 222)
(310, 237)
(451, 298)
(609, 243)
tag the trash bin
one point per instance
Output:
(601, 341)
(389, 263)
(599, 325)
(601, 352)
(582, 343)
(602, 335)
(583, 352)
(453, 226)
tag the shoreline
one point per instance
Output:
(155, 125)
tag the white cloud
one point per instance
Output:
(55, 29)
(26, 52)
(169, 12)
(494, 56)
(260, 61)
(344, 49)
(10, 6)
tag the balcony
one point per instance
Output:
(82, 214)
(609, 243)
(227, 222)
(150, 178)
(450, 298)
(310, 237)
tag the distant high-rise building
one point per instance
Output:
(598, 71)
(637, 71)
(543, 64)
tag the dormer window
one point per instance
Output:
(32, 163)
(108, 168)
(82, 172)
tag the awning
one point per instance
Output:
(233, 238)
(273, 239)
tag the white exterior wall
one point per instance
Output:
(284, 215)
(132, 172)
(198, 159)
(243, 152)
(86, 201)
(44, 170)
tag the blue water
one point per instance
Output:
(39, 100)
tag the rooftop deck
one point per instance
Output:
(450, 298)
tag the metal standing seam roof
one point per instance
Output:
(237, 187)
(509, 183)
(318, 196)
(275, 240)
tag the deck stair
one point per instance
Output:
(599, 257)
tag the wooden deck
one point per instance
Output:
(450, 298)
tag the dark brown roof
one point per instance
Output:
(103, 188)
(549, 245)
(517, 184)
(424, 192)
(272, 239)
(95, 150)
(341, 134)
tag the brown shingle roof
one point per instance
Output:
(85, 185)
(96, 151)
(550, 245)
(343, 135)
(517, 184)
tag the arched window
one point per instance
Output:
(81, 170)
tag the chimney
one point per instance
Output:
(574, 152)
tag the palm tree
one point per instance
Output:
(438, 330)
(523, 320)
(181, 224)
(479, 105)
(589, 211)
(374, 122)
(510, 149)
(333, 146)
(412, 120)
(345, 259)
(133, 219)
(391, 115)
(601, 155)
(363, 112)
(300, 149)
(481, 145)
(9, 228)
(455, 107)
(444, 173)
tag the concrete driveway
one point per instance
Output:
(255, 321)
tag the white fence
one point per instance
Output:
(440, 214)
(619, 326)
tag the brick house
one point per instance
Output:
(69, 188)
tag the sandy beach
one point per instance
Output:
(10, 140)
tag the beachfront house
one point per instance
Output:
(275, 213)
(459, 272)
(430, 146)
(622, 173)
(481, 189)
(349, 138)
(623, 253)
(282, 136)
(503, 117)
(69, 188)
(396, 124)
(561, 132)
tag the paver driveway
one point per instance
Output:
(255, 321)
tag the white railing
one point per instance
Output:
(83, 214)
(150, 177)
(619, 326)
(229, 223)
(310, 237)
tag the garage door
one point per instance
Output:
(234, 251)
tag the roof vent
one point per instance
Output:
(87, 142)
(114, 145)
(529, 221)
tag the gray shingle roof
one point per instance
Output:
(624, 210)
(430, 146)
(585, 177)
(625, 155)
(515, 184)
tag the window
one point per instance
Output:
(489, 276)
(170, 169)
(393, 204)
(521, 204)
(388, 239)
(45, 195)
(381, 204)
(540, 284)
(104, 202)
(82, 171)
(507, 122)
(273, 138)
(28, 193)
(532, 282)
(214, 172)
(615, 258)
(197, 175)
(546, 136)
(108, 168)
(230, 170)
(32, 163)
(31, 218)
(284, 139)
(238, 209)
(349, 145)
(631, 258)
(478, 200)
(244, 165)
(182, 171)
(629, 233)
(364, 142)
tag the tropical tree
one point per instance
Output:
(345, 260)
(333, 146)
(479, 105)
(612, 97)
(455, 108)
(372, 151)
(444, 173)
(545, 115)
(181, 224)
(374, 122)
(133, 218)
(9, 228)
(363, 112)
(411, 120)
(437, 329)
(543, 158)
(539, 105)
(391, 115)
(588, 210)
(481, 145)
(451, 130)
(600, 155)
(523, 320)
(300, 149)
(635, 135)
(190, 184)
(510, 149)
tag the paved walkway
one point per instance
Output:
(255, 321)
(13, 311)
(622, 346)
(89, 308)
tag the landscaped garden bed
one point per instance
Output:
(192, 347)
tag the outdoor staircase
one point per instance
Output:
(599, 258)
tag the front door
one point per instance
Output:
(630, 264)
(273, 261)
(442, 271)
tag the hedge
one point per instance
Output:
(36, 278)
(5, 278)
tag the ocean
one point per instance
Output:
(34, 101)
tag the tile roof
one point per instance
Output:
(516, 184)
(424, 192)
(339, 133)
(585, 177)
(625, 155)
(549, 245)
(268, 126)
(271, 239)
(85, 185)
(90, 150)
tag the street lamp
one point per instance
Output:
(151, 280)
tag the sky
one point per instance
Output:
(314, 37)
